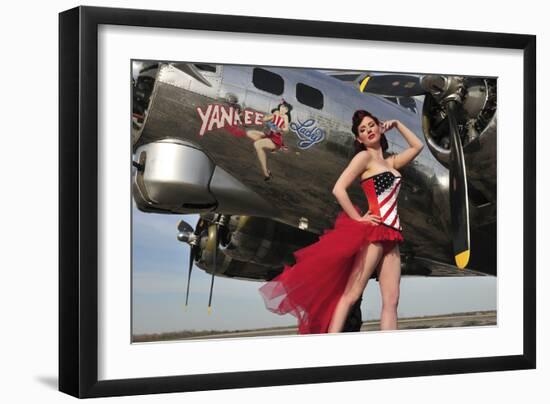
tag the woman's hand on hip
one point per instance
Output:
(370, 218)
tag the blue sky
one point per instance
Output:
(159, 276)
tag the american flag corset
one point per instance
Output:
(381, 191)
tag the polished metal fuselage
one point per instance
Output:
(301, 190)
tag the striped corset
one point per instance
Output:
(277, 121)
(381, 191)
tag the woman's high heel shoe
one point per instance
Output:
(268, 177)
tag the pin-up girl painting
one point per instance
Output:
(277, 122)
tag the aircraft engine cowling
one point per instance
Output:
(175, 176)
(256, 240)
(244, 247)
(477, 119)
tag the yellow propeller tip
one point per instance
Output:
(364, 83)
(462, 259)
(209, 310)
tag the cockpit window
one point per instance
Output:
(268, 81)
(206, 68)
(346, 76)
(309, 96)
(408, 103)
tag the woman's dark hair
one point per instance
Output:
(358, 117)
(287, 105)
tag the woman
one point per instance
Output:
(277, 122)
(330, 275)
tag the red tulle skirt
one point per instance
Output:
(311, 288)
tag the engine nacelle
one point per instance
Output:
(479, 103)
(174, 176)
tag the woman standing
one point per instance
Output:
(330, 275)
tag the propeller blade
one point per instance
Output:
(191, 259)
(212, 285)
(213, 233)
(458, 187)
(396, 85)
(185, 235)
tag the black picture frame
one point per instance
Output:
(78, 201)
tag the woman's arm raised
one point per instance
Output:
(355, 168)
(415, 145)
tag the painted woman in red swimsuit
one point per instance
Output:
(277, 123)
(330, 275)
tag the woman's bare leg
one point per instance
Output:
(254, 134)
(260, 146)
(389, 279)
(365, 263)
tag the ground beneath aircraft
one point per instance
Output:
(472, 319)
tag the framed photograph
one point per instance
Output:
(250, 201)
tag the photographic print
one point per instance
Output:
(273, 201)
(238, 206)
